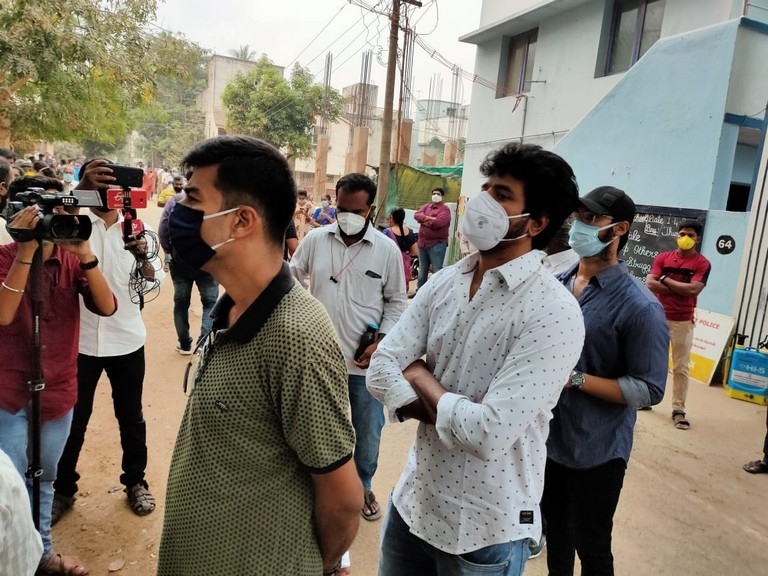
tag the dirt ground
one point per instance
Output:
(687, 506)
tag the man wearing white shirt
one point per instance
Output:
(114, 345)
(500, 336)
(356, 272)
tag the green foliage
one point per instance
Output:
(171, 122)
(263, 104)
(72, 69)
(243, 52)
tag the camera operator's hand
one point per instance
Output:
(80, 249)
(96, 175)
(27, 219)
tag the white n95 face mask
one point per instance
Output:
(350, 223)
(486, 223)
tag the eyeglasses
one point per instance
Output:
(589, 217)
(198, 361)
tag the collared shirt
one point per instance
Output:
(476, 477)
(561, 262)
(269, 408)
(437, 231)
(626, 339)
(21, 546)
(63, 284)
(369, 285)
(687, 269)
(124, 331)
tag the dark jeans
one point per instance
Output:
(579, 507)
(126, 376)
(182, 296)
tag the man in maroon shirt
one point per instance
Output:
(677, 277)
(69, 271)
(434, 219)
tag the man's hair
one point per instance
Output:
(39, 165)
(253, 172)
(178, 179)
(694, 225)
(355, 182)
(301, 192)
(440, 190)
(26, 182)
(7, 154)
(548, 181)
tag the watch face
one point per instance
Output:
(577, 379)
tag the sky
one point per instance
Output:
(303, 31)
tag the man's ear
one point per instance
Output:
(248, 220)
(622, 228)
(537, 225)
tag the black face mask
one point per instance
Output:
(178, 189)
(184, 225)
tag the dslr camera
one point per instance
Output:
(53, 226)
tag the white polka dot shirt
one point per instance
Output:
(476, 477)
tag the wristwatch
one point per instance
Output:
(577, 379)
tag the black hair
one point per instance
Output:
(39, 165)
(438, 189)
(559, 241)
(355, 182)
(5, 178)
(26, 182)
(7, 154)
(398, 217)
(249, 171)
(301, 191)
(694, 225)
(548, 181)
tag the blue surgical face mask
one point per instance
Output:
(184, 225)
(584, 239)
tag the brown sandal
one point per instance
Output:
(756, 467)
(678, 418)
(66, 565)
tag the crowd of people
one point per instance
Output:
(524, 363)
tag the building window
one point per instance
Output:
(635, 27)
(516, 71)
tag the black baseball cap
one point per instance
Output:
(610, 201)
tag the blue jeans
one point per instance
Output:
(404, 554)
(368, 420)
(182, 296)
(14, 441)
(434, 255)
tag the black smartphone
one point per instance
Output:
(127, 176)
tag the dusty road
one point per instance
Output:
(686, 508)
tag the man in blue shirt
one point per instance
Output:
(622, 367)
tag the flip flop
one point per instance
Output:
(756, 467)
(66, 565)
(680, 421)
(371, 509)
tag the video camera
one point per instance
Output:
(54, 227)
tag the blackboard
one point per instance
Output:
(653, 231)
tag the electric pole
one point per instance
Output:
(389, 97)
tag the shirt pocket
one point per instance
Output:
(366, 292)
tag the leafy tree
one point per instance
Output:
(171, 122)
(72, 70)
(243, 52)
(263, 104)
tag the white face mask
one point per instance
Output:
(436, 198)
(351, 224)
(486, 223)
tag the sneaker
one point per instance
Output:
(184, 351)
(61, 505)
(536, 549)
(140, 499)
